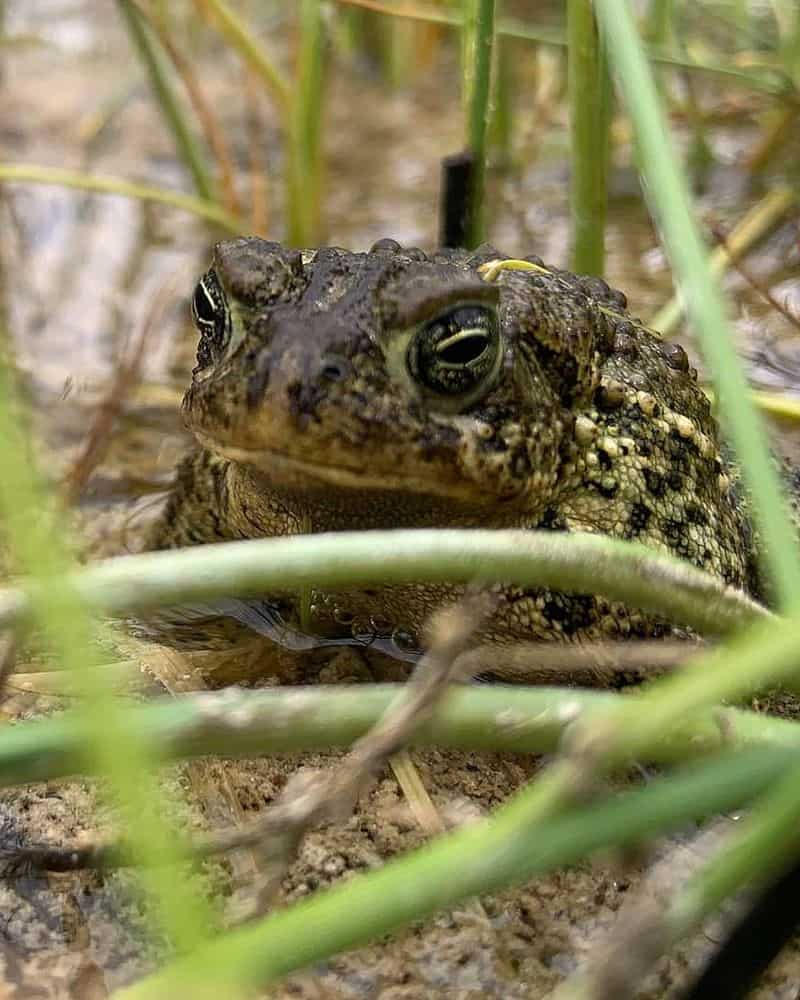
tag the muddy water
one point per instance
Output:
(79, 276)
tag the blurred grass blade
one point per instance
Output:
(118, 751)
(769, 80)
(660, 18)
(501, 126)
(187, 145)
(478, 41)
(590, 114)
(243, 39)
(206, 118)
(304, 167)
(668, 194)
(787, 16)
(399, 54)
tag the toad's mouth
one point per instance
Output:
(292, 473)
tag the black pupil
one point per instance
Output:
(211, 319)
(205, 309)
(465, 350)
(455, 353)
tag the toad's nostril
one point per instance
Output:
(334, 369)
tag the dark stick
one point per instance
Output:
(455, 201)
(753, 943)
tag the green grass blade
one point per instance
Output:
(668, 194)
(304, 168)
(38, 548)
(243, 40)
(478, 858)
(187, 145)
(477, 72)
(590, 118)
(14, 173)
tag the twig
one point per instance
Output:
(721, 238)
(24, 860)
(127, 375)
(311, 798)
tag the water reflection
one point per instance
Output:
(268, 620)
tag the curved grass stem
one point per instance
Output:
(583, 563)
(240, 723)
(19, 173)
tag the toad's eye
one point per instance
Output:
(210, 316)
(456, 353)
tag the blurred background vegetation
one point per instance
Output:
(314, 122)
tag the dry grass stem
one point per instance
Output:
(124, 677)
(408, 778)
(600, 664)
(211, 787)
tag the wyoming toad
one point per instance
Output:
(337, 390)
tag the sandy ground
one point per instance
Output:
(83, 935)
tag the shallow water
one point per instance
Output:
(81, 272)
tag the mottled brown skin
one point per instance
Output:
(320, 403)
